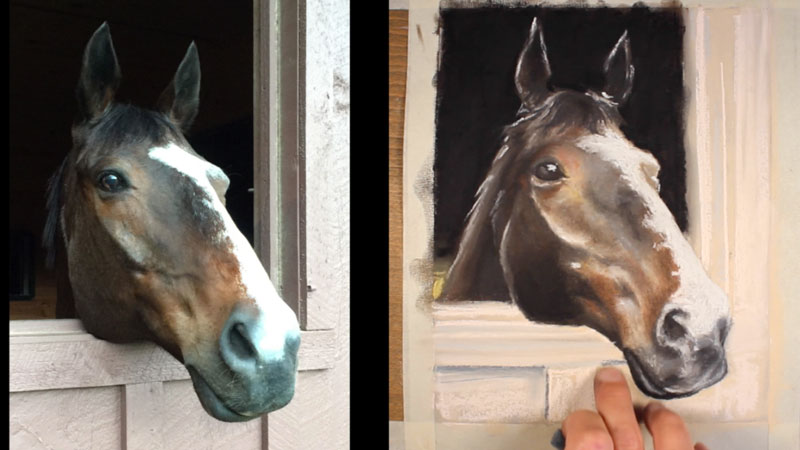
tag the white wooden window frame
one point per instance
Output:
(301, 163)
(481, 367)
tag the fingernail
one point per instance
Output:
(609, 375)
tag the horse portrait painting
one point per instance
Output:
(576, 213)
(153, 254)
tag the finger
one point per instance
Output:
(668, 429)
(613, 402)
(585, 429)
(700, 446)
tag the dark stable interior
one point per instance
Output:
(150, 38)
(476, 96)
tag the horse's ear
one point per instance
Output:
(618, 69)
(180, 100)
(100, 75)
(533, 69)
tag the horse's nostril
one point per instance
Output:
(709, 356)
(239, 343)
(671, 327)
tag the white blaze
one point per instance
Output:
(280, 319)
(703, 300)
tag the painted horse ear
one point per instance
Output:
(100, 75)
(533, 69)
(180, 100)
(618, 70)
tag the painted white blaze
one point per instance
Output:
(278, 319)
(703, 300)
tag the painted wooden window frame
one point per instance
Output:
(52, 354)
(727, 158)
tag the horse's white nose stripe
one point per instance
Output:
(697, 294)
(280, 318)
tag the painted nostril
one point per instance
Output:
(671, 327)
(709, 356)
(240, 345)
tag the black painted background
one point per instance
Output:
(476, 97)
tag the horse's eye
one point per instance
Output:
(548, 171)
(110, 181)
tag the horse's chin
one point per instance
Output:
(645, 383)
(222, 410)
(211, 401)
(650, 386)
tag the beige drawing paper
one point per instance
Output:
(479, 372)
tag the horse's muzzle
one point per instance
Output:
(260, 367)
(251, 346)
(678, 364)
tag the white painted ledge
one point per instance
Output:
(60, 354)
(496, 334)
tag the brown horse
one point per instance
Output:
(569, 225)
(152, 252)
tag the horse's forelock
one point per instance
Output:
(124, 125)
(561, 112)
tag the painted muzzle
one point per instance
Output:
(688, 345)
(682, 317)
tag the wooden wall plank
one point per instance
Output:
(398, 55)
(188, 427)
(327, 148)
(142, 427)
(79, 360)
(311, 421)
(80, 419)
(88, 363)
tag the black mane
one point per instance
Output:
(562, 111)
(51, 225)
(124, 125)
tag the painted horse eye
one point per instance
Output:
(548, 171)
(110, 181)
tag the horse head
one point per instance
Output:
(153, 253)
(570, 220)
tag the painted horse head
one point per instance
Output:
(152, 252)
(569, 225)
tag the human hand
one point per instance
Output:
(615, 427)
